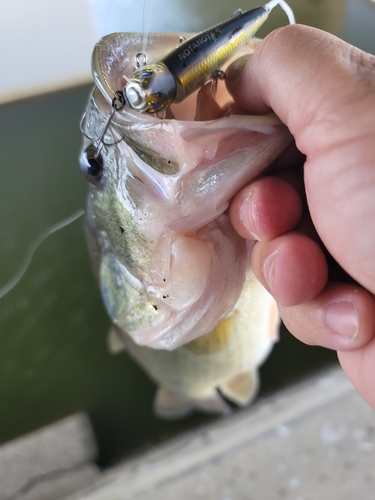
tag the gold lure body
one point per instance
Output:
(151, 88)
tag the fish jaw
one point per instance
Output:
(169, 263)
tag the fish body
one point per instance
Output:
(173, 273)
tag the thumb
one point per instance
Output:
(323, 89)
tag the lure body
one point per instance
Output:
(153, 87)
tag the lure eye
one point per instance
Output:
(136, 97)
(150, 89)
(92, 165)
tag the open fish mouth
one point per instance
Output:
(169, 264)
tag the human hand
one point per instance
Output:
(324, 91)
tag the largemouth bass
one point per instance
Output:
(173, 274)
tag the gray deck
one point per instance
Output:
(315, 440)
(50, 463)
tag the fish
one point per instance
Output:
(174, 276)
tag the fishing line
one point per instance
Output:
(33, 248)
(147, 16)
(286, 8)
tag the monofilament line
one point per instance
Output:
(33, 248)
(286, 8)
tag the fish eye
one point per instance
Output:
(92, 165)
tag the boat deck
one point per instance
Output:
(313, 440)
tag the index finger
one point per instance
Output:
(305, 75)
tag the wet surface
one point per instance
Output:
(53, 355)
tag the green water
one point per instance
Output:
(53, 356)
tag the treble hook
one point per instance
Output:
(236, 13)
(118, 102)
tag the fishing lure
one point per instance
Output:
(152, 88)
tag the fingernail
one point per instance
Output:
(234, 70)
(342, 318)
(247, 208)
(270, 269)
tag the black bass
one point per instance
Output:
(173, 274)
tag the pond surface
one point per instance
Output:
(53, 355)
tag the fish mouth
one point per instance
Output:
(114, 59)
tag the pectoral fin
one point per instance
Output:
(212, 402)
(114, 341)
(169, 405)
(241, 388)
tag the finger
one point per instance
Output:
(265, 209)
(324, 91)
(292, 268)
(342, 318)
(304, 75)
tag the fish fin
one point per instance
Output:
(241, 388)
(212, 402)
(114, 341)
(170, 405)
